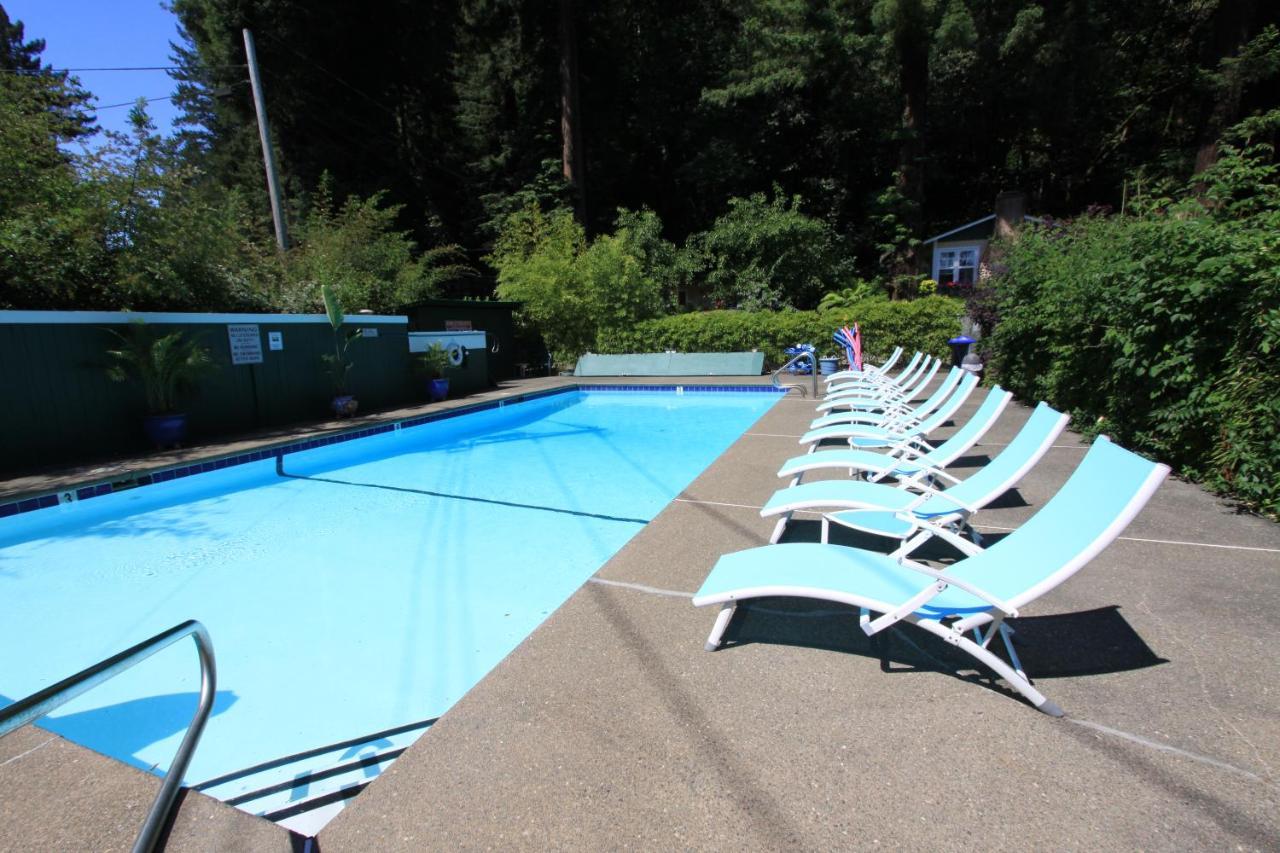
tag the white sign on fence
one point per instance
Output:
(246, 343)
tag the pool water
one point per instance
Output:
(366, 586)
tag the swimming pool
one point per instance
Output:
(353, 591)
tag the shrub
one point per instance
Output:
(355, 250)
(1162, 326)
(923, 324)
(572, 291)
(860, 290)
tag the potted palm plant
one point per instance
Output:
(344, 405)
(432, 363)
(168, 367)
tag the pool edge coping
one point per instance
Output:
(35, 500)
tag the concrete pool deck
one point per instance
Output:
(610, 727)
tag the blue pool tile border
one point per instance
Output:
(89, 491)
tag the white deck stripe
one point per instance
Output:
(1164, 747)
(28, 752)
(639, 587)
(997, 527)
(770, 435)
(739, 506)
(1164, 541)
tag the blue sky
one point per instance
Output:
(97, 33)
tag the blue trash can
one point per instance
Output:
(959, 349)
(827, 366)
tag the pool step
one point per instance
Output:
(303, 790)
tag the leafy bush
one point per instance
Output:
(767, 254)
(860, 290)
(923, 324)
(572, 291)
(1162, 328)
(356, 250)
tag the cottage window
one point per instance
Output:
(956, 265)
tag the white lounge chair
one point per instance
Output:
(913, 510)
(911, 386)
(874, 371)
(889, 412)
(1107, 490)
(904, 459)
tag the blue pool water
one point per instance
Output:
(369, 587)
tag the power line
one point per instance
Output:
(151, 68)
(131, 103)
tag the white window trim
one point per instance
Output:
(958, 247)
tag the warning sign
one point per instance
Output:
(246, 343)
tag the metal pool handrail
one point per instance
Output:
(38, 704)
(813, 362)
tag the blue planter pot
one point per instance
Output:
(437, 389)
(344, 405)
(165, 430)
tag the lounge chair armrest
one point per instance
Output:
(941, 582)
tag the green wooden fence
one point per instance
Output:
(60, 407)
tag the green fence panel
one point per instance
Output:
(61, 407)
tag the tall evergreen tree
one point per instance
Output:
(57, 91)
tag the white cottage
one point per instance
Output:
(958, 254)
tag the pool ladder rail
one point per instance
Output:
(795, 359)
(38, 704)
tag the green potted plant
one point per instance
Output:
(433, 363)
(168, 367)
(344, 405)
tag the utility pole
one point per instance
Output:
(268, 155)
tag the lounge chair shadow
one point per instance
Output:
(1065, 645)
(1009, 500)
(1087, 642)
(976, 460)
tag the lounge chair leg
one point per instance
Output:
(1012, 677)
(779, 528)
(911, 543)
(826, 530)
(722, 622)
(1006, 635)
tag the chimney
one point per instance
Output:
(1011, 207)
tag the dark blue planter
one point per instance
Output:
(437, 389)
(165, 430)
(344, 405)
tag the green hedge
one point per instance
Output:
(1160, 330)
(923, 324)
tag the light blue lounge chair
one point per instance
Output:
(903, 459)
(895, 413)
(914, 511)
(1103, 495)
(871, 436)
